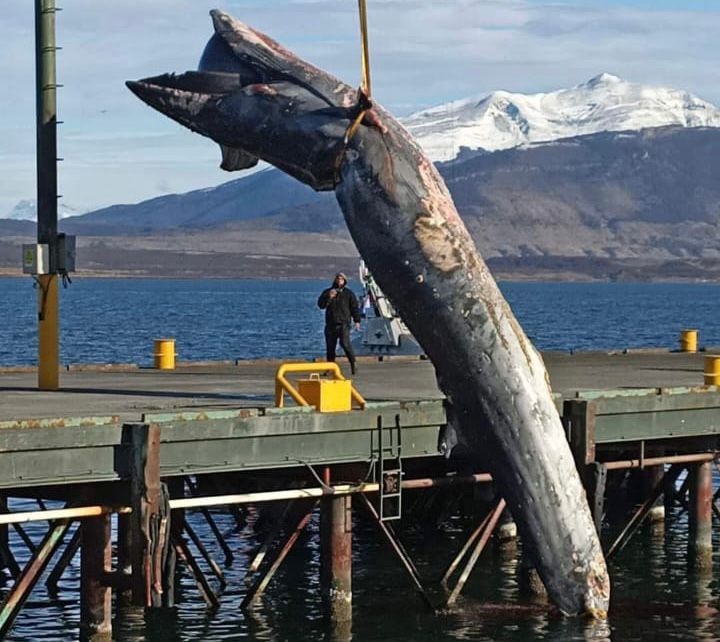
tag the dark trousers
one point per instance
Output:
(333, 333)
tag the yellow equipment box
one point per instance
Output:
(327, 395)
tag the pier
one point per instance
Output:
(146, 448)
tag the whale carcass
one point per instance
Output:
(260, 101)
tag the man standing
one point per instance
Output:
(341, 307)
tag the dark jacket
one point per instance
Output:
(341, 309)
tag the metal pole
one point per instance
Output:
(336, 558)
(248, 498)
(61, 513)
(95, 594)
(700, 514)
(46, 124)
(656, 461)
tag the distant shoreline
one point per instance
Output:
(499, 276)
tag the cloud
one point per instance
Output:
(423, 52)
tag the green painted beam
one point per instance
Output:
(91, 449)
(645, 415)
(56, 452)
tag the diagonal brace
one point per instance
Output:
(261, 584)
(637, 519)
(399, 550)
(486, 528)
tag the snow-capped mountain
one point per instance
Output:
(26, 210)
(604, 103)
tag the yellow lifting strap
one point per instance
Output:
(365, 68)
(365, 60)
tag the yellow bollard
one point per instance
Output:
(712, 370)
(688, 341)
(165, 354)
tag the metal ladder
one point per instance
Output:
(389, 471)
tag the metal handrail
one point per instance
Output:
(282, 385)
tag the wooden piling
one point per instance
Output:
(336, 558)
(700, 513)
(95, 593)
(150, 517)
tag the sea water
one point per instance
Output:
(117, 320)
(656, 596)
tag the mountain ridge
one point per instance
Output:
(628, 204)
(504, 119)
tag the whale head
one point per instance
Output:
(257, 100)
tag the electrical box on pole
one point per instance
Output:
(36, 258)
(66, 253)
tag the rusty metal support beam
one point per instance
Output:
(657, 461)
(336, 558)
(59, 514)
(95, 593)
(700, 514)
(309, 493)
(82, 512)
(400, 552)
(624, 537)
(492, 520)
(67, 555)
(465, 548)
(261, 583)
(31, 574)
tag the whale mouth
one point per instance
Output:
(215, 83)
(183, 97)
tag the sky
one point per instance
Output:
(423, 53)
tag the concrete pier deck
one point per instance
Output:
(129, 392)
(114, 439)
